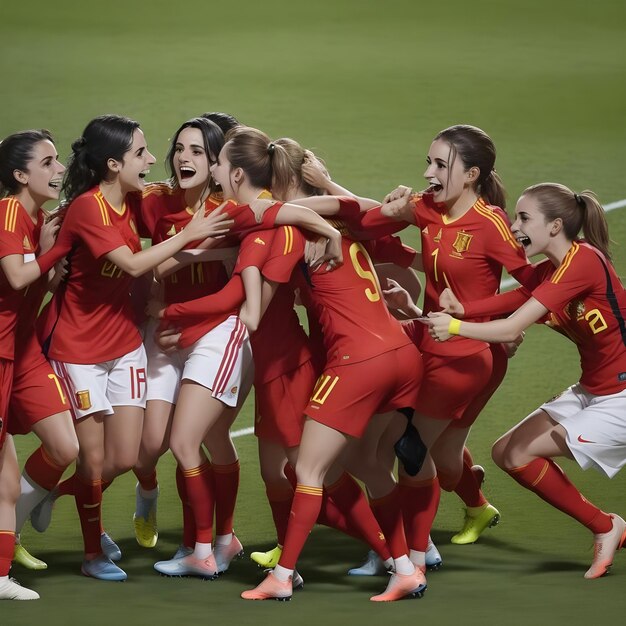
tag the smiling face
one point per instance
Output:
(191, 161)
(445, 173)
(135, 165)
(225, 175)
(530, 228)
(43, 174)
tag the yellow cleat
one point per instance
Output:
(267, 560)
(146, 531)
(476, 521)
(26, 559)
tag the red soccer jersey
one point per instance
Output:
(196, 279)
(577, 295)
(347, 302)
(94, 319)
(466, 255)
(18, 235)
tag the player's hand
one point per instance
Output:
(396, 296)
(155, 308)
(333, 253)
(314, 171)
(48, 234)
(215, 224)
(397, 204)
(438, 324)
(167, 339)
(314, 251)
(449, 303)
(510, 348)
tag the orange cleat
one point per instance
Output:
(270, 589)
(403, 586)
(605, 547)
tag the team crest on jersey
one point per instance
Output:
(259, 241)
(437, 237)
(172, 231)
(83, 400)
(233, 390)
(26, 243)
(575, 310)
(462, 242)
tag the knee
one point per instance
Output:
(448, 478)
(64, 453)
(9, 490)
(501, 454)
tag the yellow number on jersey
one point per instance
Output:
(373, 293)
(324, 385)
(596, 321)
(58, 386)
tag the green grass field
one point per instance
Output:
(367, 85)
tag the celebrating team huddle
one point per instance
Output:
(140, 350)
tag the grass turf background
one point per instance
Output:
(367, 85)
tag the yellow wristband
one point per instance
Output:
(454, 327)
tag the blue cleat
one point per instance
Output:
(110, 548)
(373, 566)
(102, 568)
(41, 515)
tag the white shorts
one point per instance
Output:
(595, 427)
(219, 361)
(100, 387)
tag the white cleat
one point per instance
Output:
(605, 547)
(373, 566)
(433, 558)
(41, 515)
(10, 589)
(110, 548)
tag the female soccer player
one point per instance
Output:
(371, 341)
(167, 208)
(30, 174)
(91, 334)
(581, 296)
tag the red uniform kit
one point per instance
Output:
(371, 364)
(34, 389)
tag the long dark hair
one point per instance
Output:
(212, 138)
(15, 153)
(225, 121)
(105, 137)
(476, 149)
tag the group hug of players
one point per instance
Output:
(143, 350)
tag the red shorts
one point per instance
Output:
(37, 393)
(280, 404)
(346, 397)
(498, 371)
(6, 382)
(450, 385)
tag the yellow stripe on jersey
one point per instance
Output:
(157, 189)
(106, 220)
(311, 491)
(499, 223)
(565, 264)
(288, 240)
(10, 219)
(265, 195)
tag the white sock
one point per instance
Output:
(31, 495)
(282, 573)
(418, 558)
(223, 540)
(202, 550)
(404, 566)
(149, 494)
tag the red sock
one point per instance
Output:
(549, 482)
(199, 485)
(43, 470)
(307, 502)
(389, 515)
(226, 488)
(351, 501)
(420, 500)
(280, 498)
(88, 494)
(333, 517)
(467, 456)
(189, 523)
(148, 482)
(68, 486)
(468, 488)
(7, 548)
